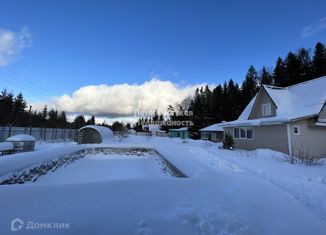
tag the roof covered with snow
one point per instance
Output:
(214, 127)
(21, 137)
(6, 146)
(180, 129)
(298, 101)
(153, 127)
(103, 131)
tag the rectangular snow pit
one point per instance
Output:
(109, 164)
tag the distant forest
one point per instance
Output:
(223, 103)
(14, 112)
(226, 102)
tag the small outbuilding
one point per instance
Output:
(22, 143)
(179, 133)
(93, 134)
(213, 133)
(152, 129)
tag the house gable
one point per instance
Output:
(322, 114)
(263, 98)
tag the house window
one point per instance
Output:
(250, 133)
(236, 133)
(243, 133)
(296, 130)
(266, 109)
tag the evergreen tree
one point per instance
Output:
(265, 77)
(62, 120)
(79, 122)
(138, 126)
(45, 112)
(117, 126)
(319, 60)
(306, 68)
(233, 99)
(197, 107)
(6, 107)
(91, 120)
(279, 73)
(292, 69)
(249, 87)
(52, 121)
(155, 116)
(217, 104)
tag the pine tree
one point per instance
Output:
(232, 109)
(249, 86)
(93, 120)
(279, 73)
(79, 122)
(292, 69)
(6, 107)
(306, 68)
(45, 112)
(217, 104)
(52, 121)
(62, 120)
(319, 60)
(265, 77)
(197, 107)
(155, 116)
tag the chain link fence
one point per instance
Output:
(41, 134)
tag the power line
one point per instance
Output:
(36, 90)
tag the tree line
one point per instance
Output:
(226, 102)
(14, 112)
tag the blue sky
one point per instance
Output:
(79, 43)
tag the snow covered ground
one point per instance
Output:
(226, 192)
(104, 167)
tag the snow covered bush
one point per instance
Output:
(228, 142)
(302, 156)
(307, 158)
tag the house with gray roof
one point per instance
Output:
(213, 133)
(287, 119)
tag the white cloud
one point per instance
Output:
(122, 100)
(12, 43)
(314, 28)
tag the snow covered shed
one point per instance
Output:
(22, 142)
(179, 133)
(93, 134)
(152, 129)
(213, 133)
